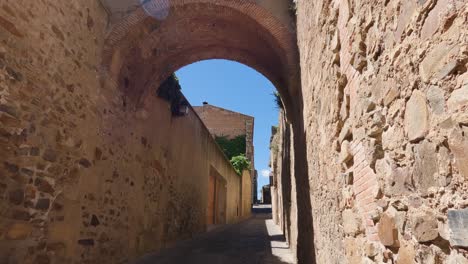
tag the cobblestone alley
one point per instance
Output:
(254, 241)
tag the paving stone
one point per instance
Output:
(255, 241)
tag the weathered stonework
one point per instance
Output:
(403, 110)
(86, 174)
(372, 158)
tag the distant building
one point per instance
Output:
(229, 124)
(266, 194)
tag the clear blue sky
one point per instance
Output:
(236, 87)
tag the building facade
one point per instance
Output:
(230, 125)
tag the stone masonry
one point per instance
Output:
(385, 90)
(372, 157)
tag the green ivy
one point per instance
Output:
(278, 101)
(232, 147)
(170, 90)
(240, 163)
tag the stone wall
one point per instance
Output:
(84, 177)
(283, 191)
(385, 93)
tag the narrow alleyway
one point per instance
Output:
(254, 241)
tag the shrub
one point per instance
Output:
(240, 163)
(232, 147)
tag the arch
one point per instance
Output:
(145, 47)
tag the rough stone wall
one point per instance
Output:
(386, 119)
(275, 161)
(83, 177)
(283, 192)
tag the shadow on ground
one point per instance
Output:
(254, 241)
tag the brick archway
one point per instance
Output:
(160, 37)
(152, 41)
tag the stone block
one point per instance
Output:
(458, 227)
(458, 99)
(407, 11)
(44, 186)
(18, 231)
(425, 167)
(445, 167)
(43, 204)
(372, 249)
(436, 99)
(399, 218)
(431, 24)
(16, 197)
(345, 132)
(406, 254)
(387, 231)
(392, 137)
(50, 155)
(424, 226)
(416, 117)
(351, 223)
(459, 146)
(446, 70)
(345, 154)
(436, 60)
(392, 93)
(396, 179)
(353, 249)
(456, 258)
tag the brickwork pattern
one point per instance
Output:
(193, 30)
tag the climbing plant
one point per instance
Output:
(232, 147)
(235, 151)
(240, 163)
(170, 90)
(277, 99)
(293, 10)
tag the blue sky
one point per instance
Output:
(236, 87)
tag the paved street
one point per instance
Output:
(254, 241)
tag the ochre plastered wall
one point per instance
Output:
(246, 194)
